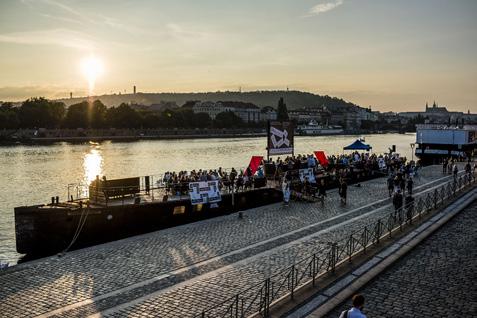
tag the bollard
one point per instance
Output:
(52, 200)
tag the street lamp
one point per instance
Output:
(412, 151)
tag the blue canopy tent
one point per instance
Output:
(358, 145)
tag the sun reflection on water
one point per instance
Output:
(92, 164)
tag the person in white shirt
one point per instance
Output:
(356, 310)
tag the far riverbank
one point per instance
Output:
(29, 136)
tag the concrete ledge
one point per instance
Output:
(344, 288)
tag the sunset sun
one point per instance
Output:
(92, 67)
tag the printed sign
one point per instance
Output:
(307, 173)
(280, 138)
(204, 192)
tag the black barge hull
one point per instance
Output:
(49, 229)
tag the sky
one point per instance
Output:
(391, 55)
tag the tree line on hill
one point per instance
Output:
(43, 113)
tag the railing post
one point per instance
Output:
(378, 231)
(435, 199)
(365, 238)
(292, 281)
(266, 309)
(350, 247)
(237, 306)
(333, 256)
(313, 269)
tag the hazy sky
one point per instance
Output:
(392, 55)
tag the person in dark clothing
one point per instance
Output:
(409, 204)
(402, 184)
(397, 202)
(390, 182)
(322, 188)
(343, 190)
(468, 169)
(444, 166)
(410, 184)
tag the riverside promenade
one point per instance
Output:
(436, 279)
(179, 272)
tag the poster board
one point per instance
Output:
(204, 192)
(280, 138)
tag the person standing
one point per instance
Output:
(357, 310)
(343, 190)
(397, 202)
(390, 183)
(444, 166)
(410, 184)
(455, 170)
(286, 192)
(322, 189)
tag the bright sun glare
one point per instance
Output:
(92, 67)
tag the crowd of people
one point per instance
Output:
(177, 183)
(340, 169)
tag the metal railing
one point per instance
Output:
(158, 187)
(258, 299)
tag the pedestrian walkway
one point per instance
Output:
(436, 279)
(179, 271)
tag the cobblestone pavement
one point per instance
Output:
(42, 286)
(436, 279)
(226, 282)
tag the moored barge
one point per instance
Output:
(116, 209)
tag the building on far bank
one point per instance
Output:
(210, 108)
(248, 112)
(307, 114)
(268, 113)
(440, 115)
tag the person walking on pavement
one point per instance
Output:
(322, 190)
(397, 202)
(357, 310)
(343, 189)
(410, 184)
(444, 166)
(286, 192)
(455, 170)
(390, 182)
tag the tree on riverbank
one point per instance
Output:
(86, 115)
(40, 112)
(282, 112)
(8, 117)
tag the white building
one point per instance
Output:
(248, 112)
(210, 108)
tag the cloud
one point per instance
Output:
(324, 7)
(60, 37)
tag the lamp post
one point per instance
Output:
(412, 151)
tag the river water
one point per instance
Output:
(32, 174)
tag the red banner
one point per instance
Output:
(254, 164)
(320, 155)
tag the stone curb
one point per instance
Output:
(344, 288)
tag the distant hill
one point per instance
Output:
(293, 99)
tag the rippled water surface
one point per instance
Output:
(31, 174)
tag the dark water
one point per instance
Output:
(31, 174)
